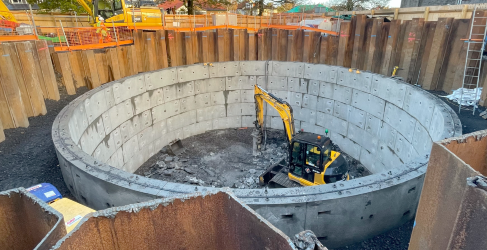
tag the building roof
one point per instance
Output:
(307, 8)
(171, 4)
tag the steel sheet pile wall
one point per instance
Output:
(211, 221)
(27, 223)
(110, 131)
(451, 212)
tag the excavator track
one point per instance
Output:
(282, 180)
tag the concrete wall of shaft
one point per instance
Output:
(102, 137)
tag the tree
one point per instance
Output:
(62, 5)
(201, 4)
(349, 5)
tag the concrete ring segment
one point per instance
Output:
(103, 136)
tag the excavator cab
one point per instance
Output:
(312, 161)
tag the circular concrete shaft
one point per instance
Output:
(103, 136)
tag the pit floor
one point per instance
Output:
(223, 158)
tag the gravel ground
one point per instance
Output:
(223, 158)
(27, 157)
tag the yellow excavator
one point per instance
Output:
(124, 12)
(312, 158)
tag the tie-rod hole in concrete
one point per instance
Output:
(375, 119)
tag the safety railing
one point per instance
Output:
(64, 38)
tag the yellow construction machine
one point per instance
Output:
(312, 158)
(124, 12)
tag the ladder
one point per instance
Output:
(473, 59)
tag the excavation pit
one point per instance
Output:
(223, 158)
(105, 135)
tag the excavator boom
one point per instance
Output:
(5, 13)
(282, 107)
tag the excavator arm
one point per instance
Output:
(5, 13)
(282, 107)
(87, 7)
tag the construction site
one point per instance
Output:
(131, 128)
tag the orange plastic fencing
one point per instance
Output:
(86, 37)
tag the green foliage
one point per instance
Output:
(64, 6)
(349, 5)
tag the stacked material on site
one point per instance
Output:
(470, 97)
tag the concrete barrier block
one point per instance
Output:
(166, 110)
(351, 148)
(141, 102)
(372, 125)
(404, 150)
(134, 163)
(387, 156)
(109, 97)
(189, 131)
(161, 78)
(174, 135)
(234, 122)
(78, 123)
(248, 109)
(247, 95)
(342, 94)
(216, 84)
(293, 85)
(361, 81)
(290, 69)
(117, 137)
(93, 135)
(136, 124)
(418, 104)
(314, 87)
(437, 125)
(369, 103)
(388, 89)
(399, 119)
(211, 113)
(388, 135)
(234, 96)
(234, 109)
(201, 86)
(421, 140)
(273, 82)
(159, 129)
(338, 126)
(117, 115)
(224, 69)
(156, 97)
(276, 122)
(95, 105)
(251, 83)
(144, 137)
(192, 72)
(235, 82)
(248, 121)
(202, 100)
(340, 110)
(305, 114)
(295, 99)
(184, 89)
(369, 160)
(320, 72)
(188, 103)
(217, 98)
(324, 120)
(159, 143)
(227, 122)
(308, 127)
(170, 93)
(202, 127)
(130, 87)
(325, 105)
(116, 160)
(130, 148)
(181, 120)
(363, 138)
(105, 149)
(253, 68)
(310, 101)
(327, 90)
